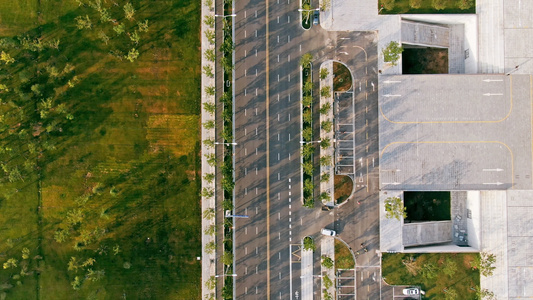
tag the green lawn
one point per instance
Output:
(128, 160)
(427, 7)
(434, 272)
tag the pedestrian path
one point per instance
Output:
(307, 274)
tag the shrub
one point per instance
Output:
(392, 52)
(325, 91)
(309, 243)
(416, 4)
(327, 262)
(324, 73)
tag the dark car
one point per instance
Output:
(316, 16)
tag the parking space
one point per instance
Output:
(472, 139)
(406, 292)
(344, 133)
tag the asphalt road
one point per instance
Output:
(267, 132)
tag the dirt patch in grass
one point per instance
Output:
(343, 187)
(343, 256)
(342, 78)
(425, 61)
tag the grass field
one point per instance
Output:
(128, 162)
(343, 257)
(434, 272)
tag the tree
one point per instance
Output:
(416, 4)
(325, 161)
(327, 262)
(143, 26)
(395, 209)
(76, 283)
(325, 143)
(210, 35)
(209, 124)
(211, 230)
(209, 143)
(132, 55)
(388, 4)
(10, 263)
(307, 117)
(83, 22)
(308, 87)
(327, 281)
(439, 4)
(306, 59)
(392, 52)
(307, 150)
(429, 271)
(211, 283)
(450, 267)
(103, 37)
(325, 5)
(210, 90)
(25, 253)
(308, 186)
(324, 177)
(306, 11)
(210, 107)
(134, 37)
(308, 168)
(309, 243)
(227, 258)
(325, 91)
(207, 192)
(326, 107)
(6, 58)
(210, 55)
(210, 247)
(209, 20)
(209, 177)
(485, 263)
(326, 125)
(129, 11)
(307, 134)
(209, 214)
(211, 159)
(324, 73)
(119, 28)
(307, 100)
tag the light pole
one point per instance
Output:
(223, 16)
(223, 275)
(304, 142)
(301, 9)
(218, 143)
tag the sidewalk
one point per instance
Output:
(307, 274)
(327, 247)
(328, 186)
(208, 260)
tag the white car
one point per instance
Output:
(411, 291)
(328, 232)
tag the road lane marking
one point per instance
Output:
(256, 194)
(244, 131)
(245, 191)
(255, 72)
(289, 77)
(279, 255)
(278, 38)
(289, 58)
(278, 117)
(278, 97)
(244, 72)
(245, 151)
(256, 107)
(289, 156)
(278, 175)
(279, 196)
(245, 53)
(289, 133)
(278, 77)
(255, 52)
(245, 108)
(256, 33)
(245, 14)
(278, 140)
(278, 57)
(256, 127)
(289, 38)
(245, 33)
(256, 171)
(289, 120)
(256, 95)
(256, 230)
(256, 13)
(300, 47)
(255, 151)
(246, 273)
(279, 216)
(278, 156)
(256, 208)
(288, 19)
(267, 68)
(245, 250)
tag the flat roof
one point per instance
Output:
(455, 132)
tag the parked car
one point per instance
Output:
(316, 16)
(328, 232)
(411, 291)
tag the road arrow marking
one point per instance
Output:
(387, 183)
(493, 170)
(493, 183)
(492, 80)
(389, 95)
(391, 81)
(489, 94)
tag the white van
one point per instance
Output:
(328, 232)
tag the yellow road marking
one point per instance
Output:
(457, 122)
(461, 142)
(267, 153)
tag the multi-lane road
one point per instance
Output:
(269, 43)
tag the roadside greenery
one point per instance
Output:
(309, 243)
(432, 272)
(306, 14)
(392, 52)
(307, 148)
(427, 6)
(395, 208)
